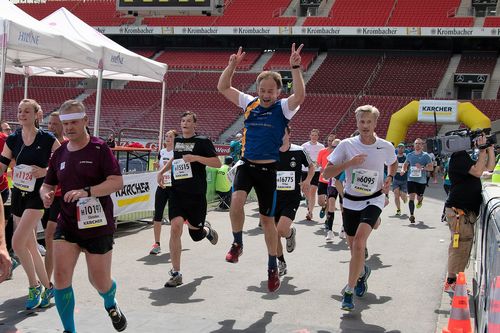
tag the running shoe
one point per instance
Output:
(41, 249)
(342, 233)
(282, 268)
(34, 297)
(362, 286)
(347, 303)
(117, 318)
(273, 280)
(155, 249)
(15, 263)
(322, 212)
(234, 253)
(329, 236)
(419, 203)
(398, 212)
(290, 241)
(449, 287)
(47, 295)
(214, 236)
(175, 279)
(412, 219)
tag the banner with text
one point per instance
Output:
(304, 31)
(446, 111)
(137, 194)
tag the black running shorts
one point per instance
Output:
(22, 200)
(414, 187)
(314, 180)
(190, 206)
(98, 245)
(353, 218)
(286, 205)
(263, 178)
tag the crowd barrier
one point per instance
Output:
(486, 262)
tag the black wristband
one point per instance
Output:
(391, 176)
(295, 66)
(87, 189)
(4, 160)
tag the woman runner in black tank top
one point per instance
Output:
(30, 148)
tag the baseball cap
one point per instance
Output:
(401, 145)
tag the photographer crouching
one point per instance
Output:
(463, 203)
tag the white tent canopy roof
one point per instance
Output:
(116, 61)
(32, 43)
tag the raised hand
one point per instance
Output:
(295, 58)
(235, 59)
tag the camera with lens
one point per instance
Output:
(458, 140)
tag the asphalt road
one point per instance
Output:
(405, 288)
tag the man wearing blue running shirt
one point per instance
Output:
(266, 117)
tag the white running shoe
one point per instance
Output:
(42, 250)
(329, 236)
(342, 233)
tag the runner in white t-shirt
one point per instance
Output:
(363, 158)
(313, 148)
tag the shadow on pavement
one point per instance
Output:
(338, 244)
(254, 232)
(258, 326)
(375, 263)
(162, 258)
(352, 322)
(178, 295)
(131, 228)
(12, 312)
(285, 289)
(308, 223)
(420, 225)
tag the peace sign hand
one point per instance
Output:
(295, 58)
(235, 59)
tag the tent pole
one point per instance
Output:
(25, 86)
(3, 63)
(162, 111)
(97, 115)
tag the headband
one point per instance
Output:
(72, 116)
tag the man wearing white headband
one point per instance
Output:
(87, 172)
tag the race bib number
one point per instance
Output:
(364, 181)
(167, 179)
(23, 179)
(89, 213)
(285, 180)
(400, 167)
(182, 169)
(415, 172)
(232, 172)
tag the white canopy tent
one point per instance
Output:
(25, 41)
(115, 61)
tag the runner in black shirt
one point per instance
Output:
(192, 154)
(288, 185)
(31, 149)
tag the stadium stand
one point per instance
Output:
(281, 60)
(490, 107)
(204, 60)
(355, 13)
(343, 74)
(410, 75)
(244, 13)
(477, 63)
(428, 13)
(49, 98)
(492, 22)
(94, 13)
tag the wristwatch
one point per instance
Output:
(87, 189)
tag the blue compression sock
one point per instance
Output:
(109, 296)
(65, 303)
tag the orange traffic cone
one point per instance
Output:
(459, 321)
(494, 313)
